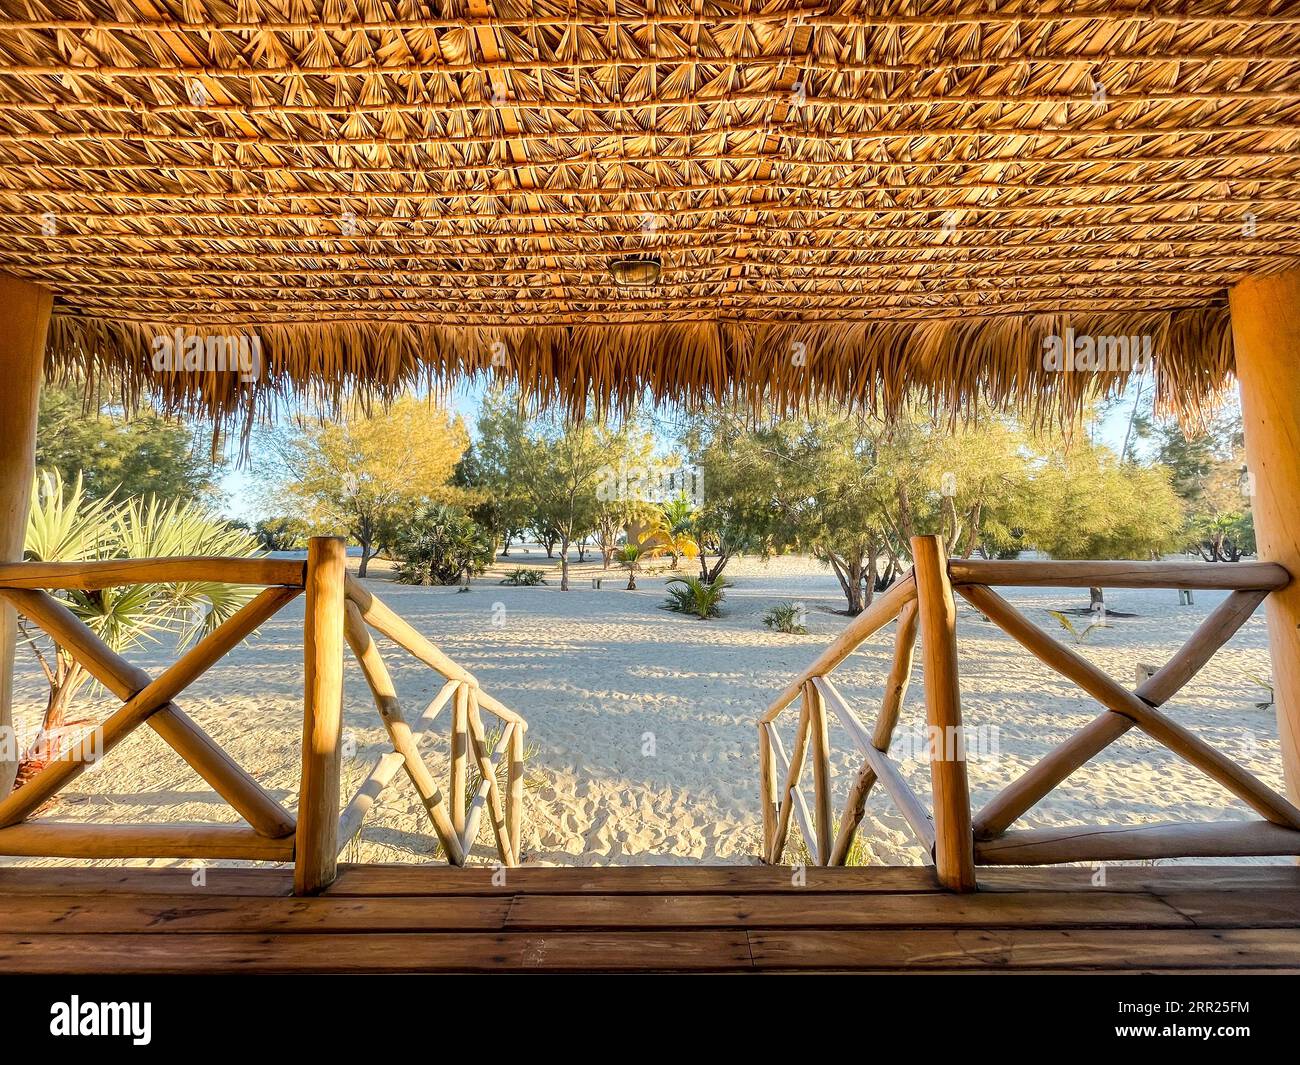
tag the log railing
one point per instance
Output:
(338, 610)
(955, 839)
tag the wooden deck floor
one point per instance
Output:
(419, 919)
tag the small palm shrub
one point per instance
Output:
(695, 597)
(441, 546)
(786, 617)
(631, 557)
(524, 577)
(65, 525)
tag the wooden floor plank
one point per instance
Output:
(414, 952)
(842, 910)
(202, 912)
(1268, 908)
(378, 880)
(137, 880)
(1148, 878)
(1011, 949)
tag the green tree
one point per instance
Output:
(366, 472)
(1087, 504)
(497, 467)
(570, 460)
(112, 453)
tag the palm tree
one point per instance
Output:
(66, 526)
(672, 530)
(630, 556)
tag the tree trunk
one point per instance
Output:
(973, 530)
(564, 563)
(366, 556)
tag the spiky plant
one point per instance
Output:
(695, 596)
(631, 557)
(66, 526)
(524, 577)
(786, 617)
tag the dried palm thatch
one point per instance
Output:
(848, 199)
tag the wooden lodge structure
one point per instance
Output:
(772, 204)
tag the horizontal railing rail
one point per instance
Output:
(953, 837)
(116, 573)
(270, 833)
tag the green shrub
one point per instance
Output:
(441, 545)
(524, 577)
(695, 596)
(786, 617)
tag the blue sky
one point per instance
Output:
(239, 501)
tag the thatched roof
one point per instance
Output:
(846, 198)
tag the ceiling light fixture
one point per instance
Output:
(632, 270)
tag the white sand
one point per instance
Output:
(643, 721)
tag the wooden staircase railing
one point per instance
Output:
(338, 610)
(955, 840)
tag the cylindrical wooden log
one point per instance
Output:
(65, 839)
(459, 757)
(1045, 774)
(954, 855)
(794, 770)
(317, 850)
(1266, 341)
(24, 320)
(484, 758)
(870, 621)
(515, 799)
(900, 677)
(148, 701)
(400, 631)
(1106, 691)
(821, 754)
(399, 732)
(766, 789)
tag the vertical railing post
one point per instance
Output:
(515, 795)
(460, 760)
(821, 755)
(316, 852)
(954, 847)
(767, 789)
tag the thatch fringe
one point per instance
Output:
(957, 363)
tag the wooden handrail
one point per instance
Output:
(339, 610)
(455, 817)
(959, 844)
(870, 621)
(115, 573)
(1225, 576)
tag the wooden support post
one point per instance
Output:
(821, 754)
(24, 321)
(318, 796)
(954, 850)
(459, 758)
(1266, 340)
(767, 789)
(515, 798)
